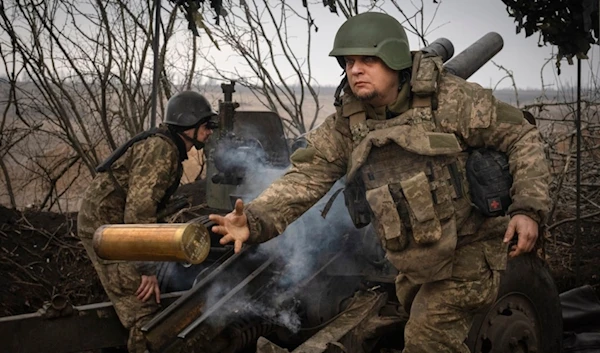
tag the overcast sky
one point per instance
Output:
(460, 21)
(463, 22)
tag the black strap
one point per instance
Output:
(108, 162)
(198, 144)
(337, 100)
(456, 179)
(105, 166)
(330, 202)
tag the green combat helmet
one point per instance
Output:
(373, 34)
(188, 109)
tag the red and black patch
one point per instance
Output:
(494, 204)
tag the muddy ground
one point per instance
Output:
(40, 256)
(571, 267)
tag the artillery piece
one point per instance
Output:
(323, 286)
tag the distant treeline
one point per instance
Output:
(526, 95)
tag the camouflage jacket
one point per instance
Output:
(466, 116)
(145, 175)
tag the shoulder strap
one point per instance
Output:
(426, 73)
(108, 162)
(354, 110)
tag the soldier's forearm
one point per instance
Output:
(531, 178)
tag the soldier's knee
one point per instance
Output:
(436, 328)
(421, 337)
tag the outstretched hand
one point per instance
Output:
(233, 226)
(148, 286)
(527, 231)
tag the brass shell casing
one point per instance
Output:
(185, 242)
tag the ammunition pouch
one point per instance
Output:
(489, 181)
(356, 203)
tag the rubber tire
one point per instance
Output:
(528, 275)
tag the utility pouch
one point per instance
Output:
(426, 227)
(356, 203)
(386, 220)
(489, 181)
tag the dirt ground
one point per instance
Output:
(40, 256)
(569, 268)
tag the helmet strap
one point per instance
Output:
(197, 144)
(403, 77)
(338, 91)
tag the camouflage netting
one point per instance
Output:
(571, 25)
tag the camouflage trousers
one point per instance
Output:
(120, 281)
(441, 313)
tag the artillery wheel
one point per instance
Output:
(526, 317)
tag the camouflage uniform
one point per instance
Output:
(147, 174)
(447, 253)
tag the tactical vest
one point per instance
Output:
(105, 166)
(414, 178)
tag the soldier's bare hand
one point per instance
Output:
(148, 287)
(233, 226)
(527, 231)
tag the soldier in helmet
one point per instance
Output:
(401, 134)
(132, 186)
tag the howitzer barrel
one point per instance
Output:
(185, 242)
(475, 56)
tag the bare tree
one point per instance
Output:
(85, 70)
(509, 75)
(417, 22)
(275, 69)
(8, 131)
(555, 112)
(273, 40)
(80, 74)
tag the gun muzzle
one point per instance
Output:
(184, 242)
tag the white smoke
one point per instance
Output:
(300, 247)
(258, 180)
